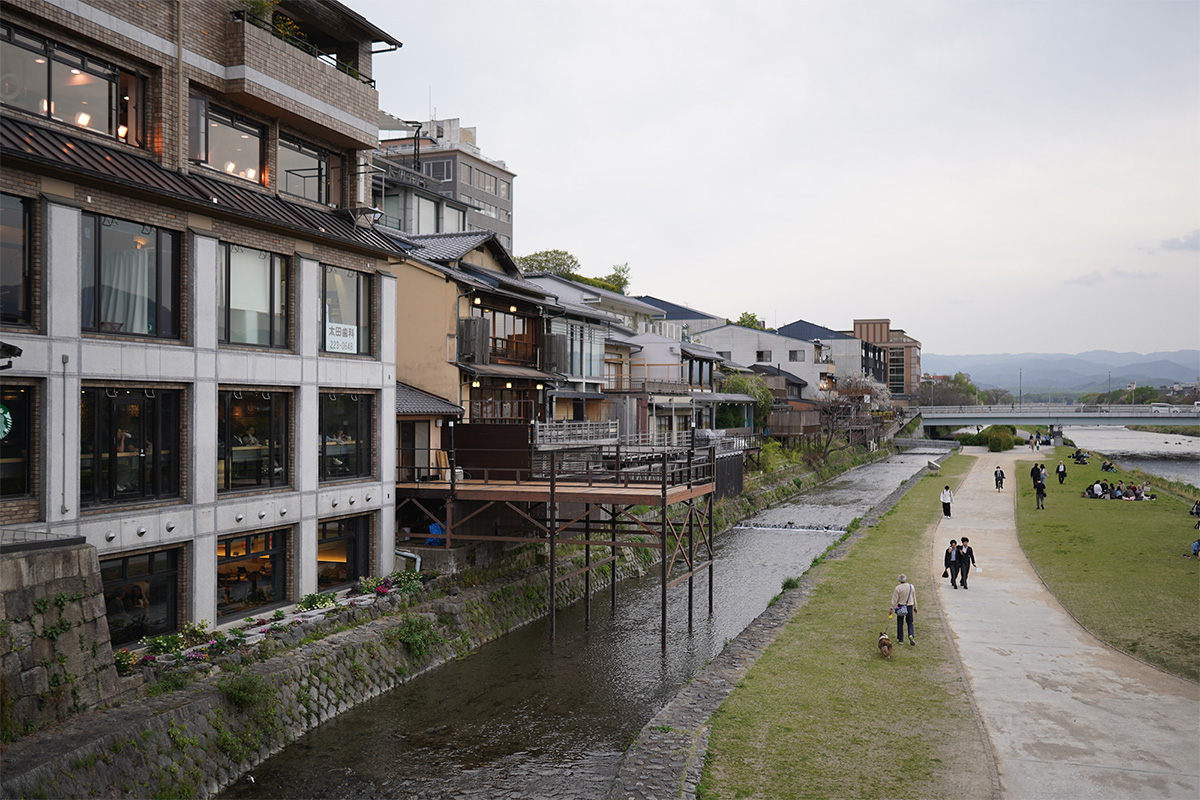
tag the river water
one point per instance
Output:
(525, 717)
(1170, 456)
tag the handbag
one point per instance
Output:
(945, 573)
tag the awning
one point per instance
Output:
(670, 400)
(509, 371)
(568, 395)
(720, 397)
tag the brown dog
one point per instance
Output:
(885, 646)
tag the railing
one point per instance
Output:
(1046, 409)
(514, 349)
(281, 33)
(637, 383)
(575, 432)
(658, 439)
(35, 539)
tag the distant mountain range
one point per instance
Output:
(1080, 373)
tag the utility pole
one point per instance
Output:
(1020, 388)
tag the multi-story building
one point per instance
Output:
(208, 355)
(903, 357)
(453, 166)
(690, 321)
(851, 355)
(798, 357)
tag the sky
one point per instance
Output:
(991, 176)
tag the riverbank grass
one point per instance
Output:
(821, 714)
(1117, 566)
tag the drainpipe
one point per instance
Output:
(413, 556)
(180, 84)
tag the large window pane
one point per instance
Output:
(228, 143)
(16, 441)
(79, 96)
(140, 595)
(26, 74)
(303, 170)
(347, 311)
(342, 552)
(129, 278)
(251, 573)
(14, 261)
(346, 435)
(251, 297)
(129, 446)
(427, 216)
(252, 443)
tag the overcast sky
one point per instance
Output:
(992, 176)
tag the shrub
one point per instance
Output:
(790, 583)
(316, 600)
(195, 633)
(164, 645)
(125, 661)
(418, 634)
(245, 690)
(407, 582)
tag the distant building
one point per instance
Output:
(852, 355)
(753, 347)
(690, 321)
(454, 167)
(903, 356)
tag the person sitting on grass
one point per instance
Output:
(1119, 490)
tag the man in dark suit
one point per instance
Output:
(966, 558)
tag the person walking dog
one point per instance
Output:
(904, 603)
(947, 499)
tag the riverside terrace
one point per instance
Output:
(582, 496)
(1056, 416)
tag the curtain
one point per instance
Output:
(127, 290)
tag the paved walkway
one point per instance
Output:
(1067, 716)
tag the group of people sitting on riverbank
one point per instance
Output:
(1081, 456)
(1102, 490)
(1107, 466)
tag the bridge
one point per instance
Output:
(1056, 416)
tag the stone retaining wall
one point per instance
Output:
(195, 741)
(55, 653)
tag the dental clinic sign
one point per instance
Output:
(341, 338)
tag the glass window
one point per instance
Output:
(252, 297)
(44, 78)
(129, 445)
(15, 279)
(795, 355)
(505, 190)
(345, 435)
(16, 441)
(464, 174)
(438, 170)
(427, 215)
(343, 552)
(252, 439)
(225, 141)
(347, 311)
(454, 220)
(141, 595)
(130, 282)
(251, 573)
(303, 170)
(762, 355)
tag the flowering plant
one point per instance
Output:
(125, 661)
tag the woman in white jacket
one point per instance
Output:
(947, 499)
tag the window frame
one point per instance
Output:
(280, 429)
(24, 427)
(173, 254)
(322, 157)
(120, 106)
(105, 489)
(279, 273)
(201, 114)
(277, 548)
(359, 534)
(762, 356)
(366, 298)
(170, 574)
(25, 317)
(362, 434)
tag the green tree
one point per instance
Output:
(554, 262)
(749, 319)
(754, 386)
(619, 277)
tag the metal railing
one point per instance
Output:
(34, 539)
(575, 432)
(1143, 410)
(241, 15)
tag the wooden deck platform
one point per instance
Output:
(649, 494)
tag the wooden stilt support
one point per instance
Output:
(612, 584)
(711, 555)
(663, 561)
(587, 562)
(552, 530)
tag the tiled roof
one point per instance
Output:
(766, 369)
(674, 310)
(49, 146)
(449, 246)
(809, 331)
(411, 400)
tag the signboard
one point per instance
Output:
(341, 338)
(5, 421)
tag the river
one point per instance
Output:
(1169, 456)
(524, 717)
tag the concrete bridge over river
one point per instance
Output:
(1029, 415)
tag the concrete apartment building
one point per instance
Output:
(903, 357)
(207, 376)
(453, 165)
(851, 355)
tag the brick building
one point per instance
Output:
(206, 383)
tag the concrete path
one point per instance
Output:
(1067, 716)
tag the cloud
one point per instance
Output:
(1189, 241)
(1141, 276)
(1089, 279)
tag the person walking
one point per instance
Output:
(1039, 489)
(1061, 471)
(904, 603)
(952, 561)
(999, 478)
(1035, 473)
(1043, 473)
(947, 499)
(966, 558)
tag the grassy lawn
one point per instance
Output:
(1116, 566)
(823, 715)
